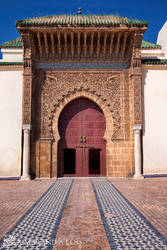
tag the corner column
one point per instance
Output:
(138, 159)
(26, 152)
(28, 52)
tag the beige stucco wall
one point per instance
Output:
(155, 119)
(10, 126)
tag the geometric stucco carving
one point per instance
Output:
(57, 86)
(136, 77)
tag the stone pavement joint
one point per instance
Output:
(129, 229)
(38, 227)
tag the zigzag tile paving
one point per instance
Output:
(67, 217)
(149, 196)
(125, 226)
(16, 197)
(38, 227)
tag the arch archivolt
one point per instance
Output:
(59, 88)
(93, 98)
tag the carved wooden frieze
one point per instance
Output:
(56, 86)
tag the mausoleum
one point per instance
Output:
(83, 95)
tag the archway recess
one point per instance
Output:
(82, 148)
(106, 135)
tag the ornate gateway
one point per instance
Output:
(86, 68)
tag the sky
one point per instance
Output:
(155, 12)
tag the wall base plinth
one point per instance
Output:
(138, 177)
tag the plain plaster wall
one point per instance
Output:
(155, 120)
(162, 38)
(12, 55)
(11, 122)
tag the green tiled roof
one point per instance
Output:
(11, 63)
(15, 43)
(148, 45)
(81, 20)
(157, 61)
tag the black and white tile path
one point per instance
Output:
(125, 226)
(38, 227)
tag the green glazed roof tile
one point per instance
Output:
(11, 63)
(15, 43)
(84, 20)
(155, 61)
(148, 45)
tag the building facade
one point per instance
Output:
(82, 96)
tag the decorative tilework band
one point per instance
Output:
(81, 65)
(125, 226)
(37, 229)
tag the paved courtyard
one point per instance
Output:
(84, 213)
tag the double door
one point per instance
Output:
(82, 146)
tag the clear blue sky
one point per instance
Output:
(155, 12)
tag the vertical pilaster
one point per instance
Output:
(118, 44)
(39, 44)
(46, 45)
(98, 44)
(52, 44)
(85, 43)
(79, 44)
(65, 44)
(72, 45)
(111, 43)
(137, 78)
(27, 102)
(137, 101)
(91, 44)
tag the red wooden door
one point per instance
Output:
(82, 148)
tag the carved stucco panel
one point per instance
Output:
(136, 77)
(27, 99)
(56, 86)
(137, 100)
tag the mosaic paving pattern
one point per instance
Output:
(125, 226)
(38, 227)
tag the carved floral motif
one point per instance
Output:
(136, 77)
(57, 86)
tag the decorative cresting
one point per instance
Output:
(58, 86)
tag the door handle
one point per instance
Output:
(84, 139)
(81, 139)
